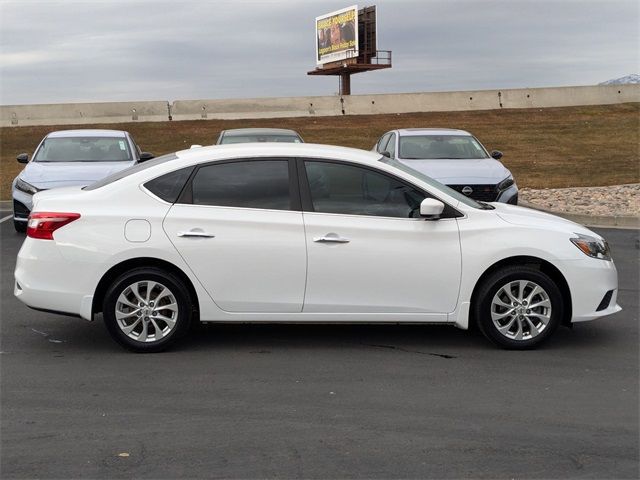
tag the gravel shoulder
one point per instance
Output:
(611, 201)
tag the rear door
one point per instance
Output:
(239, 227)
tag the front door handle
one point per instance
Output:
(331, 238)
(195, 233)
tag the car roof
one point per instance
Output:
(258, 131)
(253, 150)
(405, 132)
(87, 133)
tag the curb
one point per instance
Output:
(606, 221)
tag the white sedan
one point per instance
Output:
(304, 233)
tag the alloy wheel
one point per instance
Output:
(521, 310)
(146, 311)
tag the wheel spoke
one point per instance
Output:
(158, 330)
(536, 290)
(136, 292)
(145, 331)
(507, 290)
(150, 286)
(122, 315)
(519, 333)
(165, 291)
(543, 303)
(170, 306)
(534, 330)
(498, 301)
(522, 284)
(169, 321)
(500, 316)
(129, 328)
(125, 301)
(544, 318)
(503, 330)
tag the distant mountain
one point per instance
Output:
(633, 78)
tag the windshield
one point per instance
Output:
(138, 167)
(84, 149)
(260, 138)
(431, 147)
(433, 183)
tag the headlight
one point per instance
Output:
(594, 247)
(26, 187)
(506, 183)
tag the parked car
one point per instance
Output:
(304, 233)
(71, 157)
(455, 158)
(250, 135)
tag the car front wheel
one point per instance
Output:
(518, 307)
(147, 309)
(21, 227)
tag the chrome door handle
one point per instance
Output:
(331, 238)
(195, 233)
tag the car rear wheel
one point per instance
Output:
(147, 310)
(518, 307)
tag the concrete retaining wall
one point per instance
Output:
(88, 113)
(83, 113)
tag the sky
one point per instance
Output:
(89, 51)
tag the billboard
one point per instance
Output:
(337, 35)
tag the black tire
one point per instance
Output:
(21, 227)
(152, 275)
(482, 308)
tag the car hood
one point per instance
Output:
(516, 215)
(45, 175)
(458, 172)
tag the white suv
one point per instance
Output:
(455, 158)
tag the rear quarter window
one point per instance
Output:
(168, 186)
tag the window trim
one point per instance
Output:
(295, 204)
(449, 211)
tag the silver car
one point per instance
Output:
(251, 135)
(455, 158)
(71, 158)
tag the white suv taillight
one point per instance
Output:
(42, 224)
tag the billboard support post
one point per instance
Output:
(347, 43)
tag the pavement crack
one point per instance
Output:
(407, 350)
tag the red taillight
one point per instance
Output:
(42, 224)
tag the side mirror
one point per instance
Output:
(386, 154)
(431, 209)
(144, 156)
(497, 154)
(23, 158)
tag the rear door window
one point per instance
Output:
(246, 184)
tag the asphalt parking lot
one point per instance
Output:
(258, 401)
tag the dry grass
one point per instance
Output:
(550, 147)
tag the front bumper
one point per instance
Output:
(589, 281)
(22, 205)
(510, 195)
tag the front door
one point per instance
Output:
(368, 250)
(241, 233)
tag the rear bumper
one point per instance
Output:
(68, 291)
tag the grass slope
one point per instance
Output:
(550, 147)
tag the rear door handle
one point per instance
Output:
(331, 238)
(195, 233)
